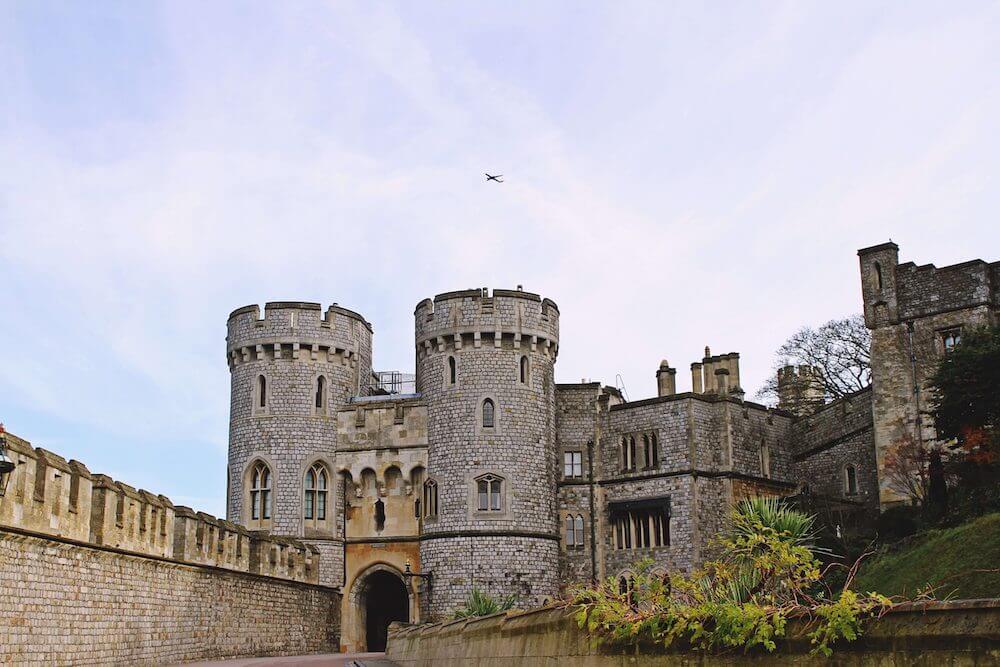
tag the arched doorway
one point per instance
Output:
(385, 600)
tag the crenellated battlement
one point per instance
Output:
(51, 496)
(296, 330)
(126, 518)
(202, 538)
(46, 493)
(284, 557)
(507, 318)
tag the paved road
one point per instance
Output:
(323, 660)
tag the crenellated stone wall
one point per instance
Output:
(96, 571)
(911, 310)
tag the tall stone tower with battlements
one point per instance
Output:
(290, 372)
(485, 368)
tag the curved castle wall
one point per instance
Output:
(513, 549)
(292, 346)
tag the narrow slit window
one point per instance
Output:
(261, 391)
(524, 370)
(379, 515)
(320, 392)
(452, 370)
(430, 498)
(878, 275)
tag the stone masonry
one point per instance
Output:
(98, 572)
(491, 476)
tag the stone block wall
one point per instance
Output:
(962, 633)
(69, 603)
(909, 309)
(95, 571)
(838, 435)
(475, 349)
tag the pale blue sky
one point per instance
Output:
(676, 175)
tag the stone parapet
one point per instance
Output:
(476, 318)
(284, 557)
(131, 519)
(47, 495)
(934, 633)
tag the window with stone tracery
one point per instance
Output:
(260, 492)
(316, 494)
(489, 491)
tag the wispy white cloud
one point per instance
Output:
(676, 176)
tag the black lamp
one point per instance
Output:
(6, 465)
(408, 574)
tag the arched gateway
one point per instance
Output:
(379, 596)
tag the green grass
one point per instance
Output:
(945, 558)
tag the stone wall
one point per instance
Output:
(293, 347)
(470, 348)
(838, 435)
(95, 571)
(952, 633)
(909, 309)
(64, 602)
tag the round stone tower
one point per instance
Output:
(290, 371)
(485, 368)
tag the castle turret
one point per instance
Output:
(878, 284)
(800, 390)
(485, 368)
(290, 371)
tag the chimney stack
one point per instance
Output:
(666, 379)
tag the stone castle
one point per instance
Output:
(488, 474)
(356, 497)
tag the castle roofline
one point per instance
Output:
(707, 398)
(931, 267)
(889, 245)
(298, 305)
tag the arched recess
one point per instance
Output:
(380, 595)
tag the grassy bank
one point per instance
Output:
(952, 558)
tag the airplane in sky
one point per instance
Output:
(498, 178)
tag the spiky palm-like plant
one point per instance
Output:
(481, 604)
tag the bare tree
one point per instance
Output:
(839, 351)
(906, 469)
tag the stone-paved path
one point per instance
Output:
(323, 660)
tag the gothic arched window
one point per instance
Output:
(317, 487)
(489, 413)
(489, 489)
(851, 480)
(260, 492)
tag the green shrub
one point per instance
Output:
(766, 573)
(481, 604)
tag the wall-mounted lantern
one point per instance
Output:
(408, 574)
(6, 465)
